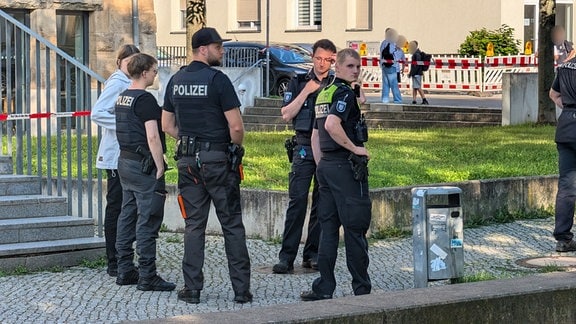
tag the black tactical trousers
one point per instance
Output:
(300, 178)
(343, 202)
(142, 213)
(113, 208)
(201, 182)
(566, 195)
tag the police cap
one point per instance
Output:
(206, 36)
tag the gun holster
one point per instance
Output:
(147, 160)
(235, 155)
(359, 166)
(290, 145)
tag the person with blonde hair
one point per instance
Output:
(338, 144)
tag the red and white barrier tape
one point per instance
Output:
(5, 117)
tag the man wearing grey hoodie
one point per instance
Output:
(108, 151)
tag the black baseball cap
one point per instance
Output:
(206, 36)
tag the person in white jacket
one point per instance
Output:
(108, 151)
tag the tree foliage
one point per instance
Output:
(502, 38)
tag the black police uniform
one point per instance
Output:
(199, 95)
(143, 195)
(565, 84)
(343, 200)
(300, 178)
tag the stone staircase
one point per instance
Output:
(265, 116)
(35, 230)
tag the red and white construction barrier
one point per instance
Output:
(453, 73)
(5, 117)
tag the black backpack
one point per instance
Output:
(387, 56)
(427, 58)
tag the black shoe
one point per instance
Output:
(243, 298)
(413, 102)
(283, 267)
(112, 272)
(129, 278)
(566, 246)
(189, 296)
(312, 296)
(155, 283)
(424, 101)
(310, 264)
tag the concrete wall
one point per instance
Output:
(545, 298)
(263, 211)
(519, 98)
(439, 27)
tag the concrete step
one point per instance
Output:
(6, 165)
(435, 116)
(24, 206)
(418, 124)
(49, 254)
(431, 108)
(267, 111)
(23, 230)
(268, 102)
(11, 185)
(261, 119)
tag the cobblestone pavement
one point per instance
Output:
(82, 295)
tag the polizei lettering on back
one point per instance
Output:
(124, 101)
(190, 90)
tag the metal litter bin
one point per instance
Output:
(438, 234)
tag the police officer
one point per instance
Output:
(337, 141)
(563, 93)
(201, 110)
(141, 170)
(298, 107)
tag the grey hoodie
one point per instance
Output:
(103, 115)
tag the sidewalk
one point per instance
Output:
(81, 295)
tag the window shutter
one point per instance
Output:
(317, 12)
(303, 12)
(247, 10)
(363, 14)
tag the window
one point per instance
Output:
(183, 14)
(248, 14)
(363, 14)
(309, 14)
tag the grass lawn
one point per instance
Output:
(412, 157)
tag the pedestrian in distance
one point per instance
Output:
(338, 143)
(563, 49)
(416, 72)
(563, 93)
(103, 115)
(201, 110)
(400, 57)
(390, 67)
(298, 108)
(141, 168)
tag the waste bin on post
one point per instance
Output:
(438, 234)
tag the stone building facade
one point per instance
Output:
(89, 30)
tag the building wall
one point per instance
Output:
(110, 25)
(439, 27)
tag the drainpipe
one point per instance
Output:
(135, 24)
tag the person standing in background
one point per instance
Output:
(563, 49)
(390, 67)
(103, 115)
(416, 72)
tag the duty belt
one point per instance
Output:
(339, 154)
(303, 141)
(130, 155)
(189, 146)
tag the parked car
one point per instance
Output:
(286, 60)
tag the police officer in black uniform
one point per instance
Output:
(201, 110)
(141, 170)
(337, 141)
(563, 93)
(299, 101)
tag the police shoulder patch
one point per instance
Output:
(341, 106)
(287, 96)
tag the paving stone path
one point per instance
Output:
(83, 295)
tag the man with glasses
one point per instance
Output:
(298, 108)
